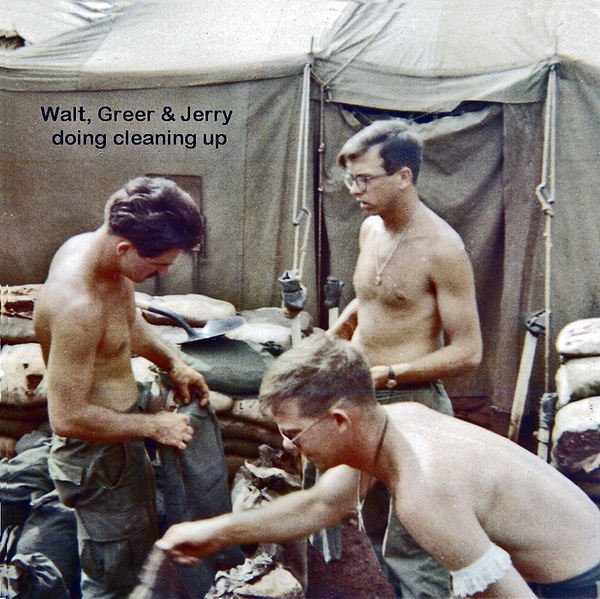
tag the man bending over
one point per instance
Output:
(494, 514)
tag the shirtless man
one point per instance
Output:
(414, 314)
(89, 328)
(494, 514)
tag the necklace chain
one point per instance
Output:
(361, 500)
(378, 270)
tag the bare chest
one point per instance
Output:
(118, 317)
(396, 276)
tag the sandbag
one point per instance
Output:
(242, 447)
(195, 309)
(277, 316)
(220, 402)
(196, 487)
(233, 428)
(275, 336)
(576, 437)
(250, 410)
(577, 379)
(580, 338)
(7, 447)
(276, 584)
(23, 382)
(16, 428)
(16, 314)
(228, 365)
(51, 530)
(27, 473)
(31, 577)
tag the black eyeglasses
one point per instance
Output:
(362, 180)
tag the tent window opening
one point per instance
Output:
(366, 116)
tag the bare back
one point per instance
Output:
(84, 325)
(400, 319)
(485, 486)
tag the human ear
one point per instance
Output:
(406, 176)
(123, 247)
(340, 417)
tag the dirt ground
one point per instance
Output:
(356, 575)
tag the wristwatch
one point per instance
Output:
(391, 382)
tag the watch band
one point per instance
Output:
(391, 382)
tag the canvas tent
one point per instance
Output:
(473, 76)
(476, 78)
(176, 59)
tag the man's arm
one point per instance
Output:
(347, 322)
(145, 343)
(452, 276)
(76, 333)
(293, 516)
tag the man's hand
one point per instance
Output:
(379, 374)
(189, 383)
(172, 429)
(187, 542)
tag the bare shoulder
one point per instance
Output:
(445, 248)
(442, 236)
(65, 306)
(370, 225)
(65, 294)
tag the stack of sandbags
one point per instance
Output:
(22, 407)
(576, 431)
(233, 366)
(244, 429)
(23, 394)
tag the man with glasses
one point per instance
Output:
(414, 314)
(493, 513)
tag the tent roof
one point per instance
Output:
(410, 55)
(430, 55)
(161, 43)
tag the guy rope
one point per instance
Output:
(294, 294)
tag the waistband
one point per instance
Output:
(409, 387)
(589, 577)
(582, 585)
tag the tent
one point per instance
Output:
(230, 76)
(473, 76)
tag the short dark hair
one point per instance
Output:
(315, 374)
(399, 146)
(155, 215)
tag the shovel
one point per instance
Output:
(212, 329)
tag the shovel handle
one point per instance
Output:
(522, 386)
(143, 304)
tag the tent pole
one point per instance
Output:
(293, 292)
(545, 194)
(319, 210)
